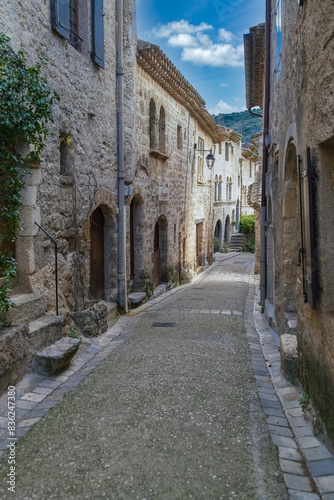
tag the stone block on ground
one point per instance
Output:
(291, 323)
(159, 290)
(92, 321)
(55, 357)
(136, 299)
(289, 357)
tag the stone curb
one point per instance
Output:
(307, 465)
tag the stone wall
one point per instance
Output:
(301, 116)
(78, 172)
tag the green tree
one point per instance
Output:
(26, 102)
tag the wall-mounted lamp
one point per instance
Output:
(300, 3)
(210, 159)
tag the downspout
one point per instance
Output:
(122, 285)
(263, 258)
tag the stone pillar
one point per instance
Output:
(29, 214)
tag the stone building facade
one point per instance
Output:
(234, 170)
(299, 183)
(170, 210)
(72, 194)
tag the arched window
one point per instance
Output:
(220, 186)
(230, 190)
(153, 133)
(162, 131)
(216, 188)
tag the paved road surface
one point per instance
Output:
(172, 414)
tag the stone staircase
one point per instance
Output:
(31, 330)
(236, 242)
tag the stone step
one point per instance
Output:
(162, 288)
(45, 331)
(28, 307)
(56, 357)
(136, 299)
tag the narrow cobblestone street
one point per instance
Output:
(169, 410)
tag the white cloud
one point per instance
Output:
(224, 107)
(223, 84)
(217, 55)
(225, 36)
(182, 27)
(197, 46)
(183, 40)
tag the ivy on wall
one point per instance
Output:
(26, 102)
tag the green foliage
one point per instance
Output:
(249, 243)
(304, 401)
(243, 123)
(25, 108)
(247, 224)
(73, 334)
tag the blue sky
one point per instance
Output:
(204, 39)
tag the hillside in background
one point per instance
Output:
(243, 123)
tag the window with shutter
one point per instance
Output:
(61, 17)
(98, 33)
(307, 228)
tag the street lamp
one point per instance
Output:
(210, 159)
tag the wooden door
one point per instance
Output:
(96, 288)
(156, 257)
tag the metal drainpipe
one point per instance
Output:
(122, 285)
(263, 258)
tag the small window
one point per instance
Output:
(216, 188)
(179, 137)
(220, 148)
(227, 156)
(162, 130)
(238, 180)
(220, 188)
(152, 131)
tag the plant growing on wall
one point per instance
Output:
(26, 102)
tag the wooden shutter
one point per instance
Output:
(98, 33)
(61, 17)
(307, 227)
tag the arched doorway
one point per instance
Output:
(227, 232)
(217, 236)
(160, 252)
(136, 235)
(96, 281)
